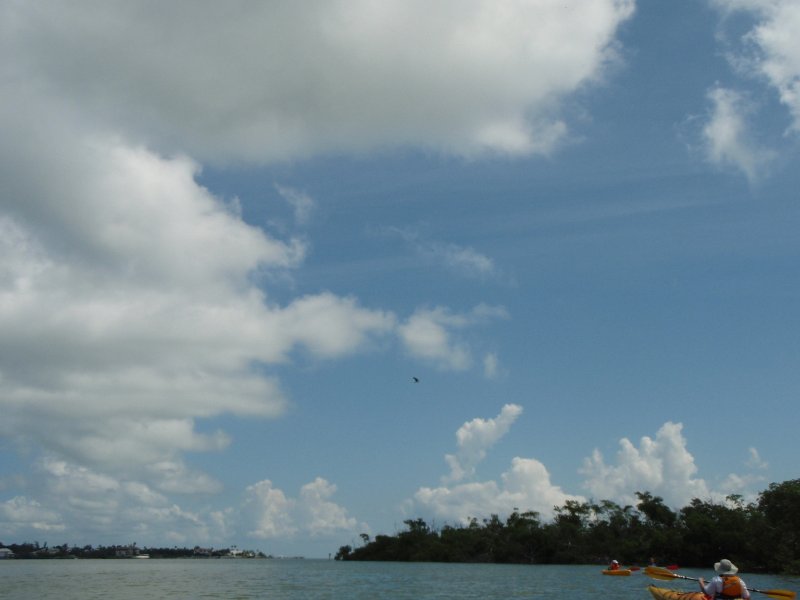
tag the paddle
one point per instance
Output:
(665, 574)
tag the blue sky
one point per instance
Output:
(232, 234)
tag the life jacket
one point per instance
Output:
(731, 588)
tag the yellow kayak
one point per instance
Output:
(665, 594)
(622, 572)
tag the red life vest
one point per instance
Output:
(731, 587)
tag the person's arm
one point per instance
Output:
(707, 588)
(745, 591)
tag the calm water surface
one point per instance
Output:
(322, 579)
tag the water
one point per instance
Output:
(325, 579)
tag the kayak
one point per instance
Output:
(617, 572)
(665, 594)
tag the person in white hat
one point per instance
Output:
(726, 584)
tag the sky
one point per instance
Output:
(232, 234)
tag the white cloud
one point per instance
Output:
(269, 510)
(662, 466)
(127, 305)
(726, 137)
(20, 514)
(328, 325)
(128, 314)
(491, 366)
(96, 507)
(772, 47)
(428, 335)
(173, 476)
(458, 259)
(459, 76)
(268, 513)
(744, 483)
(324, 516)
(526, 485)
(475, 437)
(755, 461)
(302, 204)
(128, 309)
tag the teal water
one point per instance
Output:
(324, 579)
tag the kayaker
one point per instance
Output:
(614, 566)
(725, 585)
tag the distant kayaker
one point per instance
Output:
(614, 566)
(725, 585)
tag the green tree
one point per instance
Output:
(343, 553)
(780, 506)
(712, 531)
(653, 508)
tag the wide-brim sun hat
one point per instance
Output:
(725, 567)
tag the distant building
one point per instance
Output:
(127, 551)
(6, 553)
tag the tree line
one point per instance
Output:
(32, 550)
(761, 536)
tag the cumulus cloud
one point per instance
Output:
(475, 437)
(428, 335)
(148, 299)
(772, 48)
(128, 308)
(661, 465)
(233, 82)
(268, 509)
(21, 514)
(526, 485)
(97, 507)
(323, 516)
(726, 137)
(269, 513)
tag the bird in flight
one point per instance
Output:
(415, 379)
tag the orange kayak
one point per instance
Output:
(622, 572)
(665, 594)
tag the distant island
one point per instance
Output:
(762, 536)
(129, 551)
